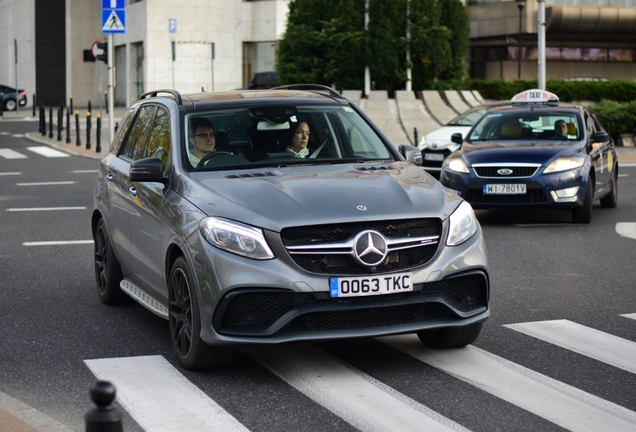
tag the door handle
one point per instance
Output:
(133, 191)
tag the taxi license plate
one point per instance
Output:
(504, 189)
(434, 156)
(370, 285)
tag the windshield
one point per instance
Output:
(533, 125)
(469, 117)
(280, 135)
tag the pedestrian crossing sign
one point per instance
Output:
(113, 21)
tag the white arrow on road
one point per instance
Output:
(626, 229)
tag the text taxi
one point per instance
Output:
(535, 152)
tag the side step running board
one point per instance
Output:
(144, 299)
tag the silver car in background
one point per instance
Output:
(252, 245)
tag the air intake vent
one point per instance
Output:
(377, 168)
(250, 175)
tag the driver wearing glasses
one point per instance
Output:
(203, 139)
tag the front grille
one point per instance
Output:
(517, 171)
(534, 195)
(342, 264)
(262, 313)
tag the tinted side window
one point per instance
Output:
(122, 130)
(160, 139)
(136, 146)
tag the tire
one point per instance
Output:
(10, 104)
(185, 324)
(611, 199)
(450, 337)
(108, 273)
(583, 214)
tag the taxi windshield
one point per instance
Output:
(275, 135)
(534, 125)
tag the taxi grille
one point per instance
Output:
(342, 264)
(534, 195)
(517, 171)
(253, 312)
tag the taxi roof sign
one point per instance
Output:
(535, 96)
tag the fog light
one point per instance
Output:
(565, 193)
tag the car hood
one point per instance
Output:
(275, 198)
(540, 153)
(441, 138)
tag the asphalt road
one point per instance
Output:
(550, 279)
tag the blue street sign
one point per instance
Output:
(113, 21)
(113, 4)
(172, 23)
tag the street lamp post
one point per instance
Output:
(541, 42)
(520, 4)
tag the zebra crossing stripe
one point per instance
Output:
(630, 316)
(553, 400)
(11, 154)
(159, 398)
(47, 152)
(592, 343)
(357, 398)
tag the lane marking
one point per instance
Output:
(553, 400)
(628, 164)
(47, 152)
(357, 398)
(85, 171)
(44, 209)
(626, 229)
(11, 154)
(46, 183)
(160, 398)
(10, 173)
(18, 135)
(58, 243)
(590, 342)
(630, 316)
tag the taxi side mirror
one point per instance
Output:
(456, 138)
(600, 137)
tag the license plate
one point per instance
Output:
(504, 189)
(370, 285)
(434, 156)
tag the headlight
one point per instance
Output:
(564, 164)
(236, 238)
(457, 165)
(463, 225)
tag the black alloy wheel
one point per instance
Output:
(185, 324)
(611, 199)
(583, 214)
(108, 273)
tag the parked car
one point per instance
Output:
(437, 145)
(11, 96)
(252, 245)
(264, 80)
(535, 152)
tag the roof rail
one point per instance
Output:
(154, 93)
(314, 87)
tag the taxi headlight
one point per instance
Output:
(236, 238)
(456, 164)
(564, 164)
(463, 225)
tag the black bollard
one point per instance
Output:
(71, 103)
(98, 137)
(62, 114)
(88, 130)
(89, 107)
(68, 126)
(59, 124)
(40, 119)
(103, 418)
(50, 122)
(106, 100)
(78, 142)
(43, 122)
(415, 137)
(1, 103)
(33, 104)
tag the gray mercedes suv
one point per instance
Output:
(269, 216)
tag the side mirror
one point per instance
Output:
(148, 170)
(411, 154)
(600, 137)
(457, 138)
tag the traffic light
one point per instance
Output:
(104, 55)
